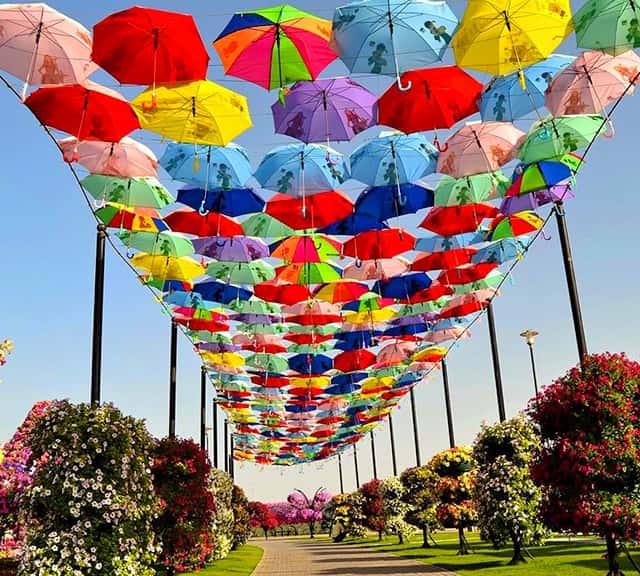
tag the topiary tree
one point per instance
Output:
(184, 526)
(221, 485)
(394, 509)
(506, 498)
(345, 511)
(261, 516)
(372, 501)
(90, 507)
(420, 494)
(240, 507)
(590, 462)
(308, 510)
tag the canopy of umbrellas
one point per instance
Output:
(316, 311)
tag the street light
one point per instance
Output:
(530, 338)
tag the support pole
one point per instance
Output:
(533, 368)
(414, 418)
(203, 407)
(373, 456)
(496, 362)
(172, 379)
(394, 461)
(226, 445)
(447, 402)
(214, 440)
(232, 468)
(340, 473)
(574, 299)
(355, 463)
(98, 311)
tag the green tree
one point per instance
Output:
(420, 494)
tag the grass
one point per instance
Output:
(241, 562)
(578, 557)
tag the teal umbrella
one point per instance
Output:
(144, 192)
(609, 25)
(241, 272)
(470, 189)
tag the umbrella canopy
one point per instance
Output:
(234, 249)
(384, 202)
(353, 224)
(265, 226)
(268, 362)
(231, 202)
(466, 274)
(168, 267)
(470, 189)
(308, 273)
(502, 250)
(275, 46)
(515, 225)
(450, 220)
(368, 302)
(192, 222)
(320, 210)
(241, 272)
(313, 248)
(146, 192)
(160, 243)
(353, 361)
(131, 218)
(215, 291)
(376, 244)
(402, 287)
(608, 25)
(443, 260)
(282, 292)
(376, 269)
(341, 291)
(200, 112)
(310, 363)
(396, 353)
(323, 110)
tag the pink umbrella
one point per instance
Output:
(126, 159)
(453, 333)
(376, 269)
(395, 353)
(43, 46)
(312, 307)
(479, 147)
(591, 81)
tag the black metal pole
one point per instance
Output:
(226, 445)
(203, 407)
(373, 455)
(355, 464)
(232, 468)
(172, 379)
(570, 274)
(447, 402)
(496, 362)
(98, 311)
(394, 461)
(414, 418)
(533, 368)
(214, 441)
(340, 473)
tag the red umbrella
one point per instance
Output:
(307, 338)
(148, 46)
(282, 293)
(192, 222)
(468, 303)
(313, 319)
(88, 112)
(466, 274)
(376, 244)
(439, 98)
(434, 292)
(451, 220)
(321, 209)
(208, 325)
(443, 260)
(354, 360)
(270, 381)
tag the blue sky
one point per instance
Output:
(47, 241)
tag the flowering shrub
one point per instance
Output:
(305, 510)
(372, 506)
(240, 507)
(452, 462)
(6, 348)
(345, 512)
(221, 485)
(394, 508)
(421, 496)
(261, 516)
(507, 500)
(184, 526)
(90, 507)
(590, 461)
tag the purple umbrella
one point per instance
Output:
(512, 204)
(327, 109)
(218, 347)
(234, 249)
(256, 318)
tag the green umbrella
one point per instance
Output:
(322, 330)
(144, 192)
(309, 273)
(206, 336)
(158, 243)
(241, 272)
(368, 302)
(263, 328)
(608, 25)
(395, 370)
(554, 137)
(268, 362)
(310, 348)
(423, 307)
(255, 307)
(492, 280)
(265, 226)
(470, 189)
(235, 386)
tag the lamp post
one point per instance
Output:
(214, 440)
(496, 362)
(226, 445)
(373, 456)
(340, 473)
(530, 337)
(355, 464)
(447, 403)
(414, 418)
(172, 379)
(203, 407)
(98, 309)
(394, 461)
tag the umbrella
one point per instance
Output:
(502, 250)
(504, 99)
(281, 292)
(308, 273)
(320, 210)
(395, 353)
(268, 362)
(467, 273)
(439, 98)
(231, 202)
(323, 110)
(450, 220)
(544, 174)
(444, 243)
(344, 291)
(146, 192)
(87, 111)
(533, 201)
(256, 307)
(515, 225)
(310, 363)
(208, 167)
(234, 249)
(168, 267)
(492, 280)
(470, 189)
(126, 159)
(443, 260)
(608, 25)
(241, 272)
(516, 32)
(42, 46)
(434, 292)
(265, 226)
(315, 248)
(393, 158)
(391, 36)
(466, 304)
(479, 147)
(368, 302)
(376, 269)
(376, 244)
(275, 46)
(130, 218)
(368, 317)
(352, 224)
(159, 243)
(192, 222)
(215, 291)
(200, 112)
(353, 361)
(384, 202)
(402, 286)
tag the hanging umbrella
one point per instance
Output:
(276, 46)
(391, 36)
(255, 307)
(467, 273)
(241, 272)
(200, 112)
(608, 25)
(324, 110)
(281, 292)
(450, 220)
(146, 192)
(492, 280)
(310, 363)
(308, 273)
(318, 211)
(479, 147)
(192, 222)
(265, 343)
(231, 202)
(384, 202)
(316, 348)
(504, 100)
(43, 46)
(126, 159)
(265, 226)
(207, 167)
(199, 314)
(503, 250)
(353, 361)
(544, 174)
(534, 200)
(402, 286)
(167, 267)
(234, 249)
(316, 307)
(268, 362)
(444, 243)
(516, 32)
(160, 243)
(131, 218)
(467, 304)
(433, 293)
(215, 291)
(368, 317)
(315, 248)
(376, 269)
(368, 302)
(344, 291)
(377, 244)
(395, 353)
(443, 260)
(470, 189)
(87, 111)
(353, 224)
(515, 225)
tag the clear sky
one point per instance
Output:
(47, 243)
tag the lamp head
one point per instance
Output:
(529, 336)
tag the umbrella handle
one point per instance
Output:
(401, 87)
(147, 106)
(130, 253)
(358, 263)
(219, 242)
(99, 203)
(441, 149)
(72, 158)
(611, 132)
(202, 211)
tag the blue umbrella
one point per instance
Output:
(502, 250)
(231, 202)
(384, 202)
(402, 287)
(215, 291)
(443, 243)
(393, 158)
(352, 225)
(310, 363)
(188, 300)
(300, 407)
(297, 169)
(503, 98)
(207, 166)
(391, 36)
(356, 340)
(407, 330)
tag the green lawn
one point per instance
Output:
(574, 558)
(242, 562)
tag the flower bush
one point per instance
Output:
(90, 507)
(185, 524)
(372, 500)
(307, 510)
(261, 516)
(453, 462)
(590, 460)
(420, 494)
(394, 509)
(345, 512)
(221, 486)
(240, 507)
(508, 501)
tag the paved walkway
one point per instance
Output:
(293, 557)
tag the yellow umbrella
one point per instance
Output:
(431, 354)
(223, 358)
(201, 112)
(311, 382)
(376, 385)
(370, 316)
(168, 267)
(501, 36)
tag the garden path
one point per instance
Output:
(296, 557)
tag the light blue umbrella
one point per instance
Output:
(502, 250)
(443, 243)
(208, 167)
(393, 158)
(297, 169)
(503, 98)
(391, 36)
